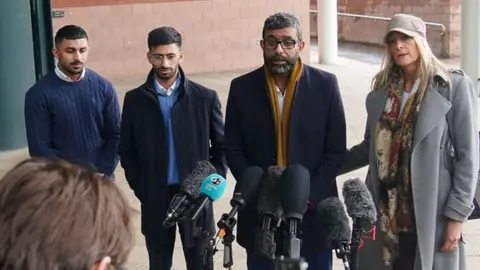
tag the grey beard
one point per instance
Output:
(283, 69)
(280, 69)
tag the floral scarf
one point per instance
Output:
(393, 151)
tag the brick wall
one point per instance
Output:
(446, 12)
(219, 35)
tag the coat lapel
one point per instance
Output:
(433, 109)
(376, 105)
(261, 81)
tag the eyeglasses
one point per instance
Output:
(157, 59)
(287, 44)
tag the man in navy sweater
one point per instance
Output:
(168, 124)
(73, 113)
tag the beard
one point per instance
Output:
(166, 73)
(73, 68)
(280, 69)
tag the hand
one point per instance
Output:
(453, 234)
(310, 205)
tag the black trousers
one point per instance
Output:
(160, 256)
(407, 251)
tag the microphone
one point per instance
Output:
(189, 191)
(270, 211)
(362, 210)
(359, 202)
(335, 227)
(294, 193)
(246, 191)
(212, 189)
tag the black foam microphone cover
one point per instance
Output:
(191, 183)
(295, 191)
(333, 222)
(269, 196)
(360, 205)
(270, 212)
(189, 191)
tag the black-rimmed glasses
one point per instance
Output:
(287, 44)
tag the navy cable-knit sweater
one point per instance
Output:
(76, 121)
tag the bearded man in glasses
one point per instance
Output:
(280, 114)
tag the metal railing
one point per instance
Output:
(375, 18)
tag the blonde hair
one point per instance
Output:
(427, 66)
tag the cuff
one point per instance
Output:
(458, 211)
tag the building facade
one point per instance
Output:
(368, 31)
(219, 35)
(223, 35)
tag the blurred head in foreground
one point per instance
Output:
(56, 215)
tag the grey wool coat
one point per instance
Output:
(438, 195)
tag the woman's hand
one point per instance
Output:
(453, 234)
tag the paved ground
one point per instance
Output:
(356, 66)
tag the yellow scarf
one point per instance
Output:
(282, 123)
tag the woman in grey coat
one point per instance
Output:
(422, 203)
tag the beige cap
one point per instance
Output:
(407, 24)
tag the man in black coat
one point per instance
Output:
(168, 124)
(286, 113)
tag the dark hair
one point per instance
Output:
(165, 35)
(70, 32)
(282, 20)
(57, 215)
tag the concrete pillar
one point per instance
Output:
(17, 67)
(327, 27)
(470, 55)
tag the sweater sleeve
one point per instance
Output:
(110, 132)
(38, 124)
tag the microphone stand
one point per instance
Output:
(292, 243)
(356, 235)
(343, 253)
(226, 224)
(202, 236)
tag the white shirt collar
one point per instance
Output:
(281, 99)
(64, 77)
(279, 92)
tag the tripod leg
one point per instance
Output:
(227, 256)
(208, 260)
